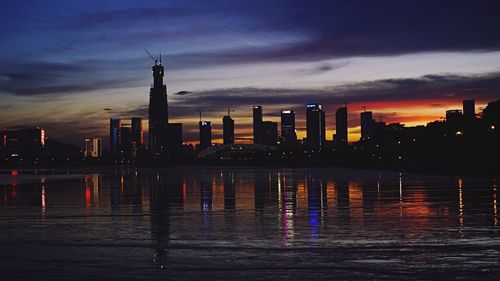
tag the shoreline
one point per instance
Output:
(84, 169)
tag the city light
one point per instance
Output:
(42, 137)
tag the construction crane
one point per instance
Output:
(156, 60)
(337, 103)
(229, 110)
(204, 110)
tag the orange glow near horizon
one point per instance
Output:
(408, 112)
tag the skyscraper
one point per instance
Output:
(288, 133)
(174, 140)
(257, 121)
(228, 129)
(341, 125)
(96, 148)
(469, 109)
(454, 120)
(27, 144)
(315, 126)
(93, 148)
(367, 125)
(87, 150)
(269, 132)
(137, 134)
(126, 142)
(205, 134)
(114, 136)
(158, 111)
(454, 116)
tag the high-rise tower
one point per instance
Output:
(341, 125)
(469, 109)
(257, 123)
(205, 134)
(367, 125)
(228, 129)
(288, 134)
(137, 134)
(114, 136)
(158, 111)
(315, 126)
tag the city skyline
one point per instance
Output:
(90, 65)
(248, 140)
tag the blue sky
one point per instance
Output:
(70, 65)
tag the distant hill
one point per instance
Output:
(59, 149)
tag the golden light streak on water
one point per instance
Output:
(460, 206)
(495, 211)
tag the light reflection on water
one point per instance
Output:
(196, 219)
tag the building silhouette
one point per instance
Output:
(228, 129)
(126, 142)
(137, 139)
(126, 138)
(453, 115)
(469, 109)
(288, 131)
(87, 149)
(315, 126)
(454, 121)
(137, 133)
(158, 112)
(341, 125)
(96, 148)
(257, 122)
(205, 134)
(367, 125)
(269, 132)
(114, 136)
(22, 145)
(174, 139)
(93, 148)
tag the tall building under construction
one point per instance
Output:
(158, 112)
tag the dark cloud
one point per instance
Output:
(387, 90)
(322, 29)
(44, 78)
(139, 111)
(322, 68)
(126, 16)
(183, 93)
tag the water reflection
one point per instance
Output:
(43, 197)
(160, 219)
(229, 191)
(280, 208)
(495, 211)
(287, 204)
(460, 206)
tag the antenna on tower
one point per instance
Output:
(160, 58)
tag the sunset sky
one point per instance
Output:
(69, 66)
